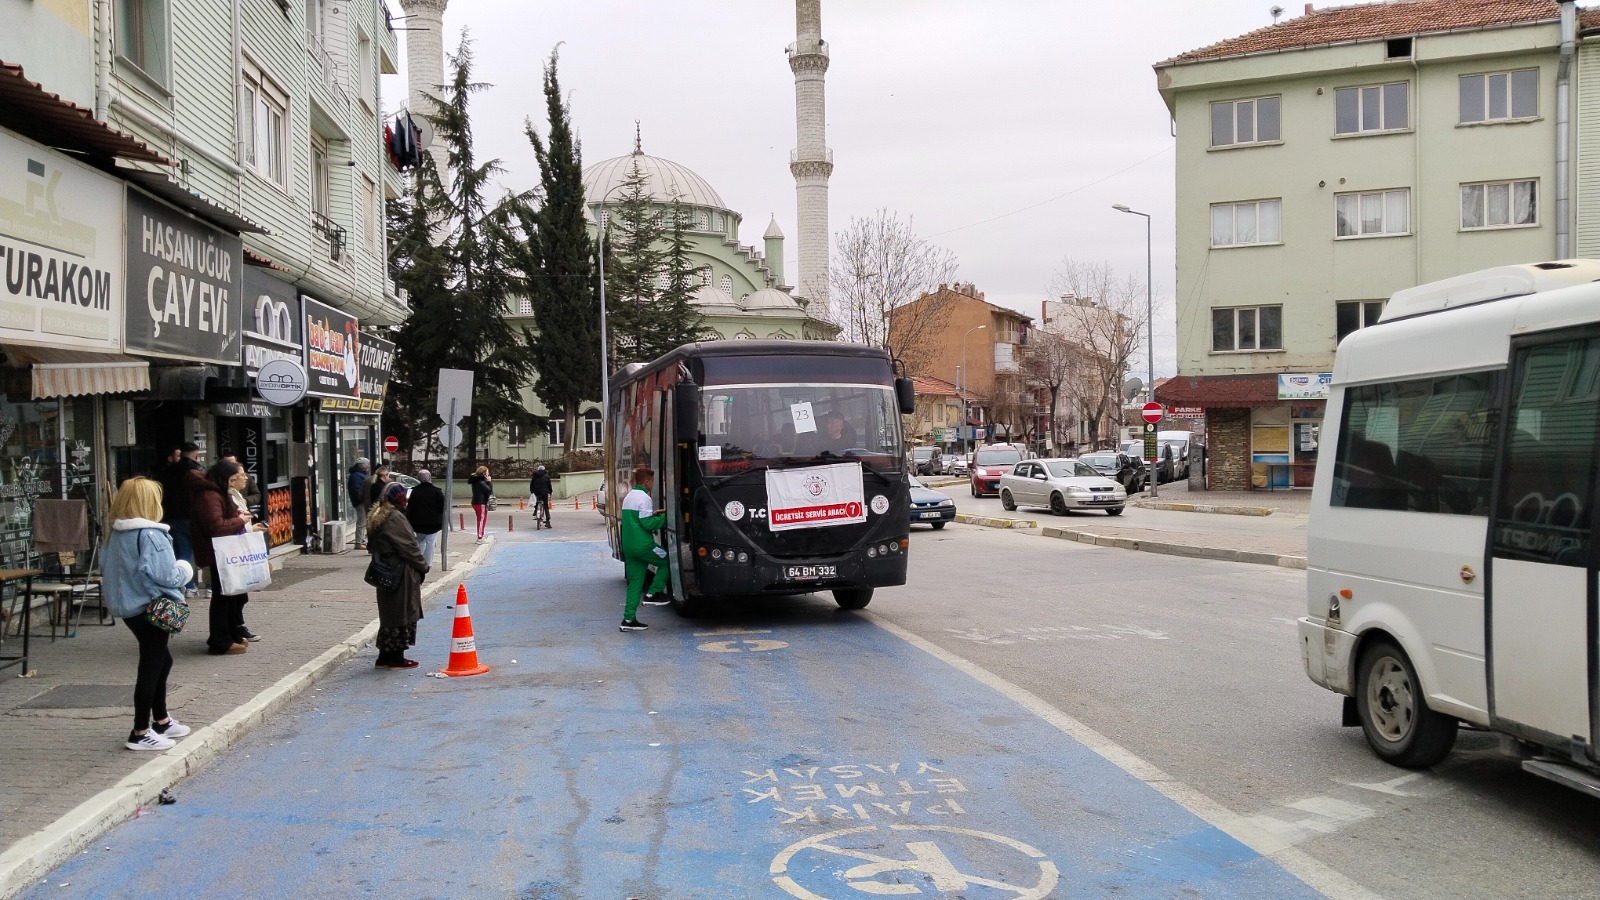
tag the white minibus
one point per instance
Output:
(1453, 575)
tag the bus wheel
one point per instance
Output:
(688, 607)
(856, 598)
(1399, 726)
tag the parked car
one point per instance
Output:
(1064, 485)
(1125, 470)
(928, 506)
(955, 464)
(1166, 469)
(990, 462)
(921, 457)
(1180, 457)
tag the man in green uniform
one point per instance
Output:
(640, 522)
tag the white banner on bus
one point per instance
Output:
(815, 497)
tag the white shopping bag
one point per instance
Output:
(242, 562)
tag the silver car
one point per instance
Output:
(1061, 484)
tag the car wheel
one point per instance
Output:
(1114, 512)
(1058, 505)
(856, 598)
(1007, 502)
(938, 526)
(1399, 726)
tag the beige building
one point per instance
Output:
(1328, 161)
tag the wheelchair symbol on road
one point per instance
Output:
(938, 859)
(741, 646)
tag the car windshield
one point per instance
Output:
(1098, 460)
(998, 457)
(922, 454)
(1070, 468)
(772, 423)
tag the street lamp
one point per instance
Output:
(966, 373)
(605, 345)
(1150, 332)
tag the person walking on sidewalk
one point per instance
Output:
(355, 488)
(425, 511)
(482, 490)
(399, 610)
(138, 566)
(640, 522)
(539, 486)
(372, 490)
(216, 515)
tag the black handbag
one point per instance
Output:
(382, 574)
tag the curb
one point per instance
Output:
(33, 857)
(1225, 554)
(1207, 508)
(995, 521)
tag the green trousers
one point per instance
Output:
(636, 568)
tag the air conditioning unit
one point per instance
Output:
(333, 537)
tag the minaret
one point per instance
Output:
(811, 162)
(424, 57)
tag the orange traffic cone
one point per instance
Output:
(463, 649)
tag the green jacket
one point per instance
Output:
(640, 521)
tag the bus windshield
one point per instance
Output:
(770, 424)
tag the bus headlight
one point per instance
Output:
(872, 553)
(716, 554)
(743, 556)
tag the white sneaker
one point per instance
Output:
(150, 741)
(173, 728)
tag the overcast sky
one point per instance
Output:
(1004, 129)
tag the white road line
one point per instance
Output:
(1298, 863)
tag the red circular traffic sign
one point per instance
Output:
(391, 444)
(1153, 412)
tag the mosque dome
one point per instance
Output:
(664, 179)
(707, 295)
(770, 298)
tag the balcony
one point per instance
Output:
(1007, 361)
(794, 155)
(332, 74)
(822, 48)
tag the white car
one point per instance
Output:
(1063, 485)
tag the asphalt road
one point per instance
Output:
(1027, 718)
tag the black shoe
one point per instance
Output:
(632, 625)
(246, 634)
(657, 600)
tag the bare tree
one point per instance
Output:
(1054, 364)
(881, 268)
(1105, 317)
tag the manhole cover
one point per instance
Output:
(84, 696)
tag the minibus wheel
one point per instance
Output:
(688, 607)
(855, 598)
(1399, 726)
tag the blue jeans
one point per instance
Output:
(183, 545)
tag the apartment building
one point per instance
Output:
(223, 164)
(1327, 161)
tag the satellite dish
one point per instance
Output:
(1131, 388)
(424, 132)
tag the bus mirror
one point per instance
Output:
(686, 410)
(905, 395)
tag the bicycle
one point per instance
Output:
(541, 513)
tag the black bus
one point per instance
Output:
(780, 465)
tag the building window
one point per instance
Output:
(1247, 328)
(727, 285)
(265, 111)
(1355, 314)
(369, 80)
(1235, 122)
(142, 36)
(705, 276)
(1372, 107)
(556, 428)
(705, 220)
(1374, 213)
(516, 435)
(1254, 222)
(524, 307)
(1500, 204)
(1397, 48)
(320, 174)
(1499, 96)
(593, 429)
(370, 222)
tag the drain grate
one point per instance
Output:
(85, 696)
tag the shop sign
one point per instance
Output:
(1186, 412)
(375, 362)
(244, 409)
(331, 363)
(61, 267)
(281, 382)
(271, 321)
(1305, 386)
(184, 283)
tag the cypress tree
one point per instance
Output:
(633, 269)
(677, 323)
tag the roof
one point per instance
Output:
(28, 109)
(772, 230)
(1379, 21)
(927, 384)
(215, 213)
(771, 298)
(664, 179)
(1219, 391)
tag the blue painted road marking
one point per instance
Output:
(787, 749)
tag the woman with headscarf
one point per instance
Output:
(389, 535)
(216, 515)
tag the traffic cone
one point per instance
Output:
(463, 648)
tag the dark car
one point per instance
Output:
(1125, 470)
(926, 460)
(988, 464)
(930, 507)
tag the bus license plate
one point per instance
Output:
(810, 573)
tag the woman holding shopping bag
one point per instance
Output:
(139, 567)
(216, 515)
(390, 536)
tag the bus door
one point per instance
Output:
(1541, 646)
(670, 479)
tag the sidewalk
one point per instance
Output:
(62, 727)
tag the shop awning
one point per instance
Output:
(1219, 391)
(28, 109)
(80, 379)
